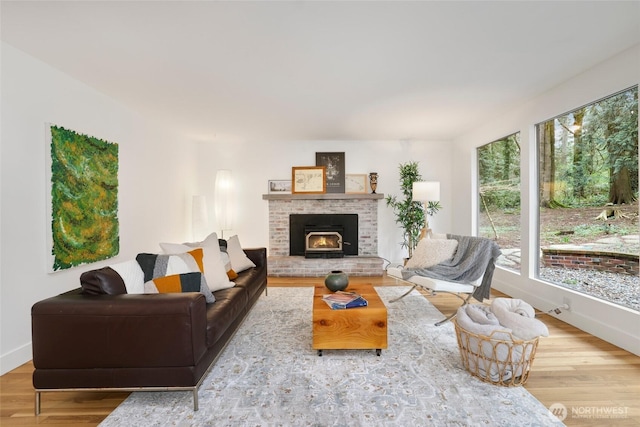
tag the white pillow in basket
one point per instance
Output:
(430, 252)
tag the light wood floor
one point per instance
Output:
(571, 367)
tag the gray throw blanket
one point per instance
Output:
(474, 258)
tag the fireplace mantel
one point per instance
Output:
(325, 196)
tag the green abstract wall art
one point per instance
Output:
(83, 199)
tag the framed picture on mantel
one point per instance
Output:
(355, 183)
(279, 186)
(334, 174)
(308, 180)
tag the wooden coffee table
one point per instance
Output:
(351, 328)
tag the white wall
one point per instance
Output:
(160, 171)
(607, 321)
(254, 163)
(156, 179)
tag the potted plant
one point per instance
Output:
(410, 214)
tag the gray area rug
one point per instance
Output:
(270, 376)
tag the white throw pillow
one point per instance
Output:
(430, 252)
(239, 260)
(214, 271)
(132, 276)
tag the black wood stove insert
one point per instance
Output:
(323, 235)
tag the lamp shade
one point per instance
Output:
(224, 199)
(199, 217)
(426, 191)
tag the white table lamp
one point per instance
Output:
(425, 192)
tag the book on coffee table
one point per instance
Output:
(341, 300)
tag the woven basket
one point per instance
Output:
(498, 361)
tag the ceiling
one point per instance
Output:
(303, 70)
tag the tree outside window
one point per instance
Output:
(588, 198)
(499, 197)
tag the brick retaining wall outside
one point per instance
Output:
(593, 260)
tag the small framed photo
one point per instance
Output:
(308, 180)
(280, 186)
(355, 183)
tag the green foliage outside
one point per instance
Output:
(587, 185)
(588, 158)
(591, 159)
(499, 174)
(84, 197)
(592, 154)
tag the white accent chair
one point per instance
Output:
(433, 286)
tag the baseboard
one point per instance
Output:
(11, 360)
(602, 319)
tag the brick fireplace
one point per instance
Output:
(281, 206)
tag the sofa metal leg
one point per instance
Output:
(195, 399)
(37, 402)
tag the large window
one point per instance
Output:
(588, 194)
(499, 197)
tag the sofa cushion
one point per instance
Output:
(231, 274)
(102, 281)
(158, 265)
(251, 281)
(430, 252)
(239, 260)
(131, 274)
(214, 270)
(231, 304)
(187, 282)
(155, 266)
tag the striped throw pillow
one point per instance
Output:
(174, 273)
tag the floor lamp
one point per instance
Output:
(425, 192)
(224, 200)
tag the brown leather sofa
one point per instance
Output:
(98, 337)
